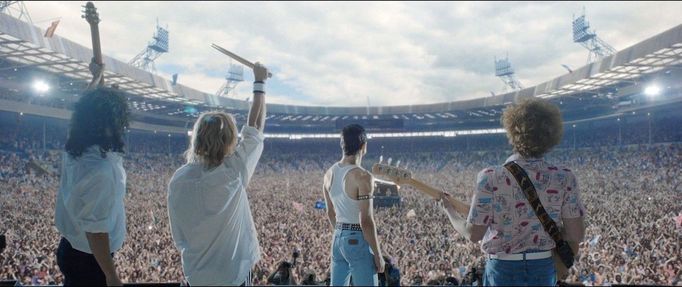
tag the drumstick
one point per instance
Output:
(236, 57)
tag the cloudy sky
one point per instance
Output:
(349, 53)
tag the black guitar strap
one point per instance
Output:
(562, 247)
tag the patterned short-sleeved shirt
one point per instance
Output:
(499, 203)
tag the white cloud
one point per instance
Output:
(395, 53)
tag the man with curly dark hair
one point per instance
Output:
(517, 248)
(90, 214)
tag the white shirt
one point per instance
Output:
(210, 217)
(90, 198)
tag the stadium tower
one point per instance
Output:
(16, 9)
(235, 75)
(581, 34)
(159, 45)
(505, 72)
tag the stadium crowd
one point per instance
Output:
(632, 195)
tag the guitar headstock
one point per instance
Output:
(394, 173)
(90, 13)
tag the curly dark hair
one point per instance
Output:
(99, 118)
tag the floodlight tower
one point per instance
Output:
(16, 9)
(235, 75)
(159, 45)
(505, 72)
(588, 39)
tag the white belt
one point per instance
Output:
(520, 256)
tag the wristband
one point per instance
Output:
(258, 87)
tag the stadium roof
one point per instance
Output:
(23, 43)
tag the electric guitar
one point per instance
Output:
(92, 17)
(403, 176)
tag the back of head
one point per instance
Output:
(451, 281)
(353, 137)
(99, 118)
(214, 136)
(534, 126)
(282, 276)
(309, 279)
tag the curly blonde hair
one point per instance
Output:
(213, 138)
(534, 126)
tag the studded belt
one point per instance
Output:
(348, 226)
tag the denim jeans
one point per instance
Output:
(538, 272)
(352, 257)
(79, 268)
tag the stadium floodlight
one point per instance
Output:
(40, 86)
(652, 90)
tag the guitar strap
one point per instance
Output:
(562, 247)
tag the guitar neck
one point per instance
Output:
(436, 193)
(96, 46)
(425, 188)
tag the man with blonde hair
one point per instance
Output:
(517, 247)
(209, 211)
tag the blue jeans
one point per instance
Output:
(539, 272)
(352, 257)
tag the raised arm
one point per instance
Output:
(257, 112)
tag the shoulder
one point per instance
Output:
(562, 170)
(489, 177)
(185, 172)
(95, 167)
(489, 172)
(329, 171)
(328, 175)
(361, 175)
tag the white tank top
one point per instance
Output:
(347, 209)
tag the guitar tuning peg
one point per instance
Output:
(397, 164)
(381, 159)
(389, 161)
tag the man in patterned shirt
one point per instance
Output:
(517, 248)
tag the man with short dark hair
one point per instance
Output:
(348, 192)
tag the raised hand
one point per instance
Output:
(260, 72)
